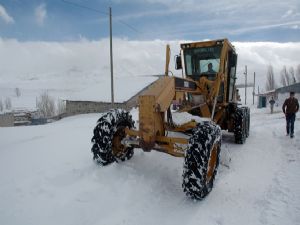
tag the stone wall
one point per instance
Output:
(7, 120)
(82, 107)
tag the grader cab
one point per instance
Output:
(205, 96)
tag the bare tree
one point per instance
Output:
(18, 92)
(283, 79)
(298, 73)
(7, 103)
(284, 76)
(270, 83)
(292, 75)
(45, 105)
(1, 105)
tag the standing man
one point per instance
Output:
(272, 102)
(290, 108)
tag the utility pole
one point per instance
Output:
(253, 87)
(111, 61)
(245, 84)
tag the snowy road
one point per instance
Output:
(47, 176)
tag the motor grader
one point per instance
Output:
(206, 91)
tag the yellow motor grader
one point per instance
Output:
(206, 92)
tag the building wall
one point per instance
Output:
(283, 96)
(7, 120)
(282, 93)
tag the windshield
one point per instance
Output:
(205, 60)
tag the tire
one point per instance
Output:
(202, 160)
(247, 121)
(108, 133)
(240, 126)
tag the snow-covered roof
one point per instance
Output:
(293, 87)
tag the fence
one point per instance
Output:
(7, 120)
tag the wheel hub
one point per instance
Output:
(118, 149)
(212, 163)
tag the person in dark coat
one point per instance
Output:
(290, 108)
(272, 102)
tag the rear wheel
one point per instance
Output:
(240, 126)
(247, 120)
(108, 134)
(201, 160)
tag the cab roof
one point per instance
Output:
(210, 43)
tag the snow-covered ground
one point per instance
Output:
(47, 176)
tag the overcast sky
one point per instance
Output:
(58, 36)
(71, 20)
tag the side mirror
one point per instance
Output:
(178, 64)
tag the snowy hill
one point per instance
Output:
(48, 177)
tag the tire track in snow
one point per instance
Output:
(282, 201)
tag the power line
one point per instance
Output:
(98, 11)
(84, 7)
(129, 26)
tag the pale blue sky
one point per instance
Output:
(238, 20)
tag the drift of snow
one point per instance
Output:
(180, 118)
(48, 177)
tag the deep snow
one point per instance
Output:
(47, 176)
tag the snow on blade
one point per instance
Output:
(180, 118)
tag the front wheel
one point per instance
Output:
(108, 134)
(201, 160)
